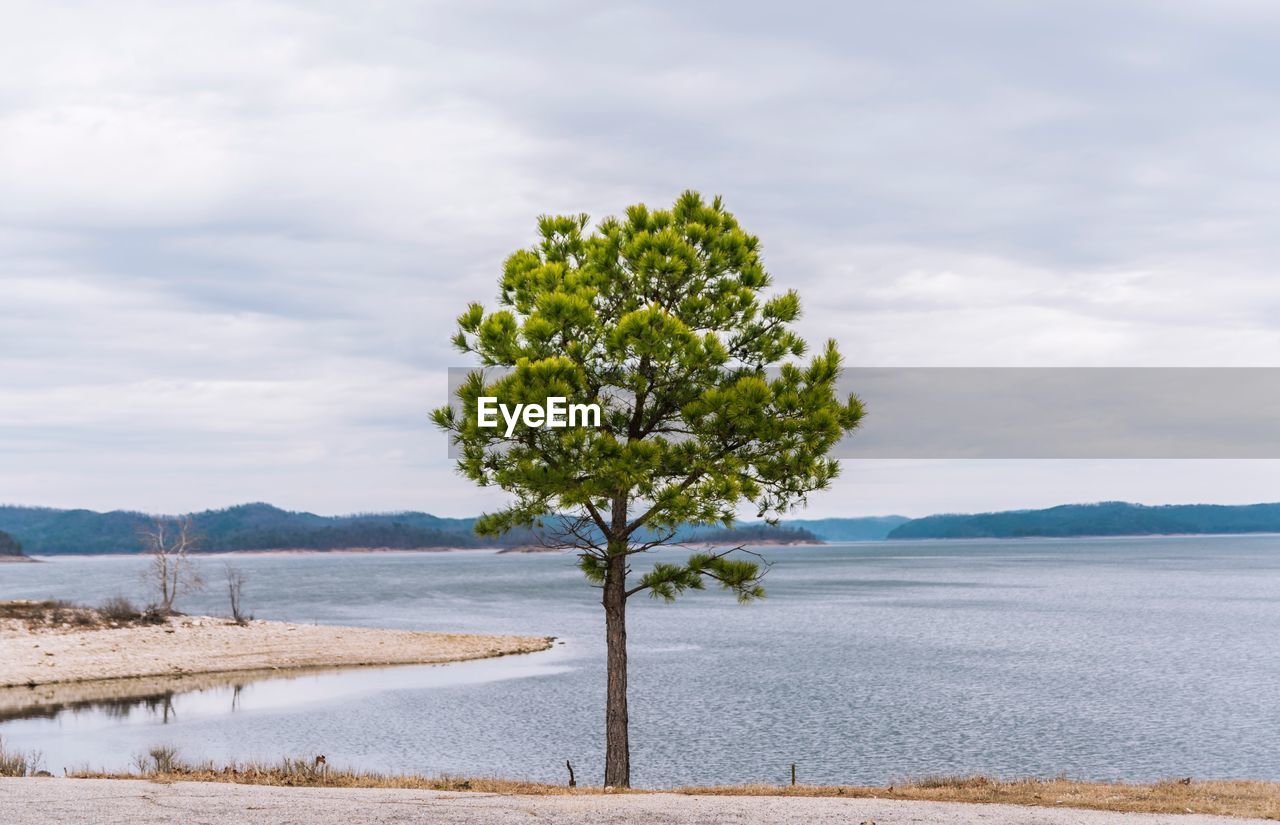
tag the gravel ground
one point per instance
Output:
(131, 802)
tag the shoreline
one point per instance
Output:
(711, 545)
(409, 551)
(1082, 537)
(276, 551)
(201, 645)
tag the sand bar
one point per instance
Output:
(201, 644)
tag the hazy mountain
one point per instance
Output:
(1110, 518)
(866, 528)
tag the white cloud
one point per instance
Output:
(233, 237)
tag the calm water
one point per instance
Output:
(1112, 659)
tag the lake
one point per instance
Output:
(1119, 659)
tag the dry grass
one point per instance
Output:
(18, 763)
(1222, 797)
(161, 764)
(48, 613)
(55, 614)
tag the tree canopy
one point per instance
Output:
(661, 317)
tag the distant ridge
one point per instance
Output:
(260, 526)
(1108, 518)
(47, 531)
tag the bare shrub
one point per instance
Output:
(235, 591)
(48, 613)
(170, 543)
(159, 759)
(303, 771)
(119, 609)
(154, 614)
(18, 763)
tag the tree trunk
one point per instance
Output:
(617, 750)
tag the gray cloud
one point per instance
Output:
(233, 237)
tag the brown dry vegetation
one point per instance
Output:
(18, 763)
(1224, 797)
(1221, 797)
(55, 614)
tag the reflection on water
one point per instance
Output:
(53, 711)
(158, 699)
(161, 703)
(117, 699)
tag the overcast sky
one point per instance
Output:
(234, 236)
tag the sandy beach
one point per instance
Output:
(201, 644)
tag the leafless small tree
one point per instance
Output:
(170, 542)
(235, 589)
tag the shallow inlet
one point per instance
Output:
(69, 719)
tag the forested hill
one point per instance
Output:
(758, 533)
(44, 531)
(1111, 518)
(861, 528)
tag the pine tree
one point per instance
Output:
(660, 317)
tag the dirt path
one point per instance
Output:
(131, 802)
